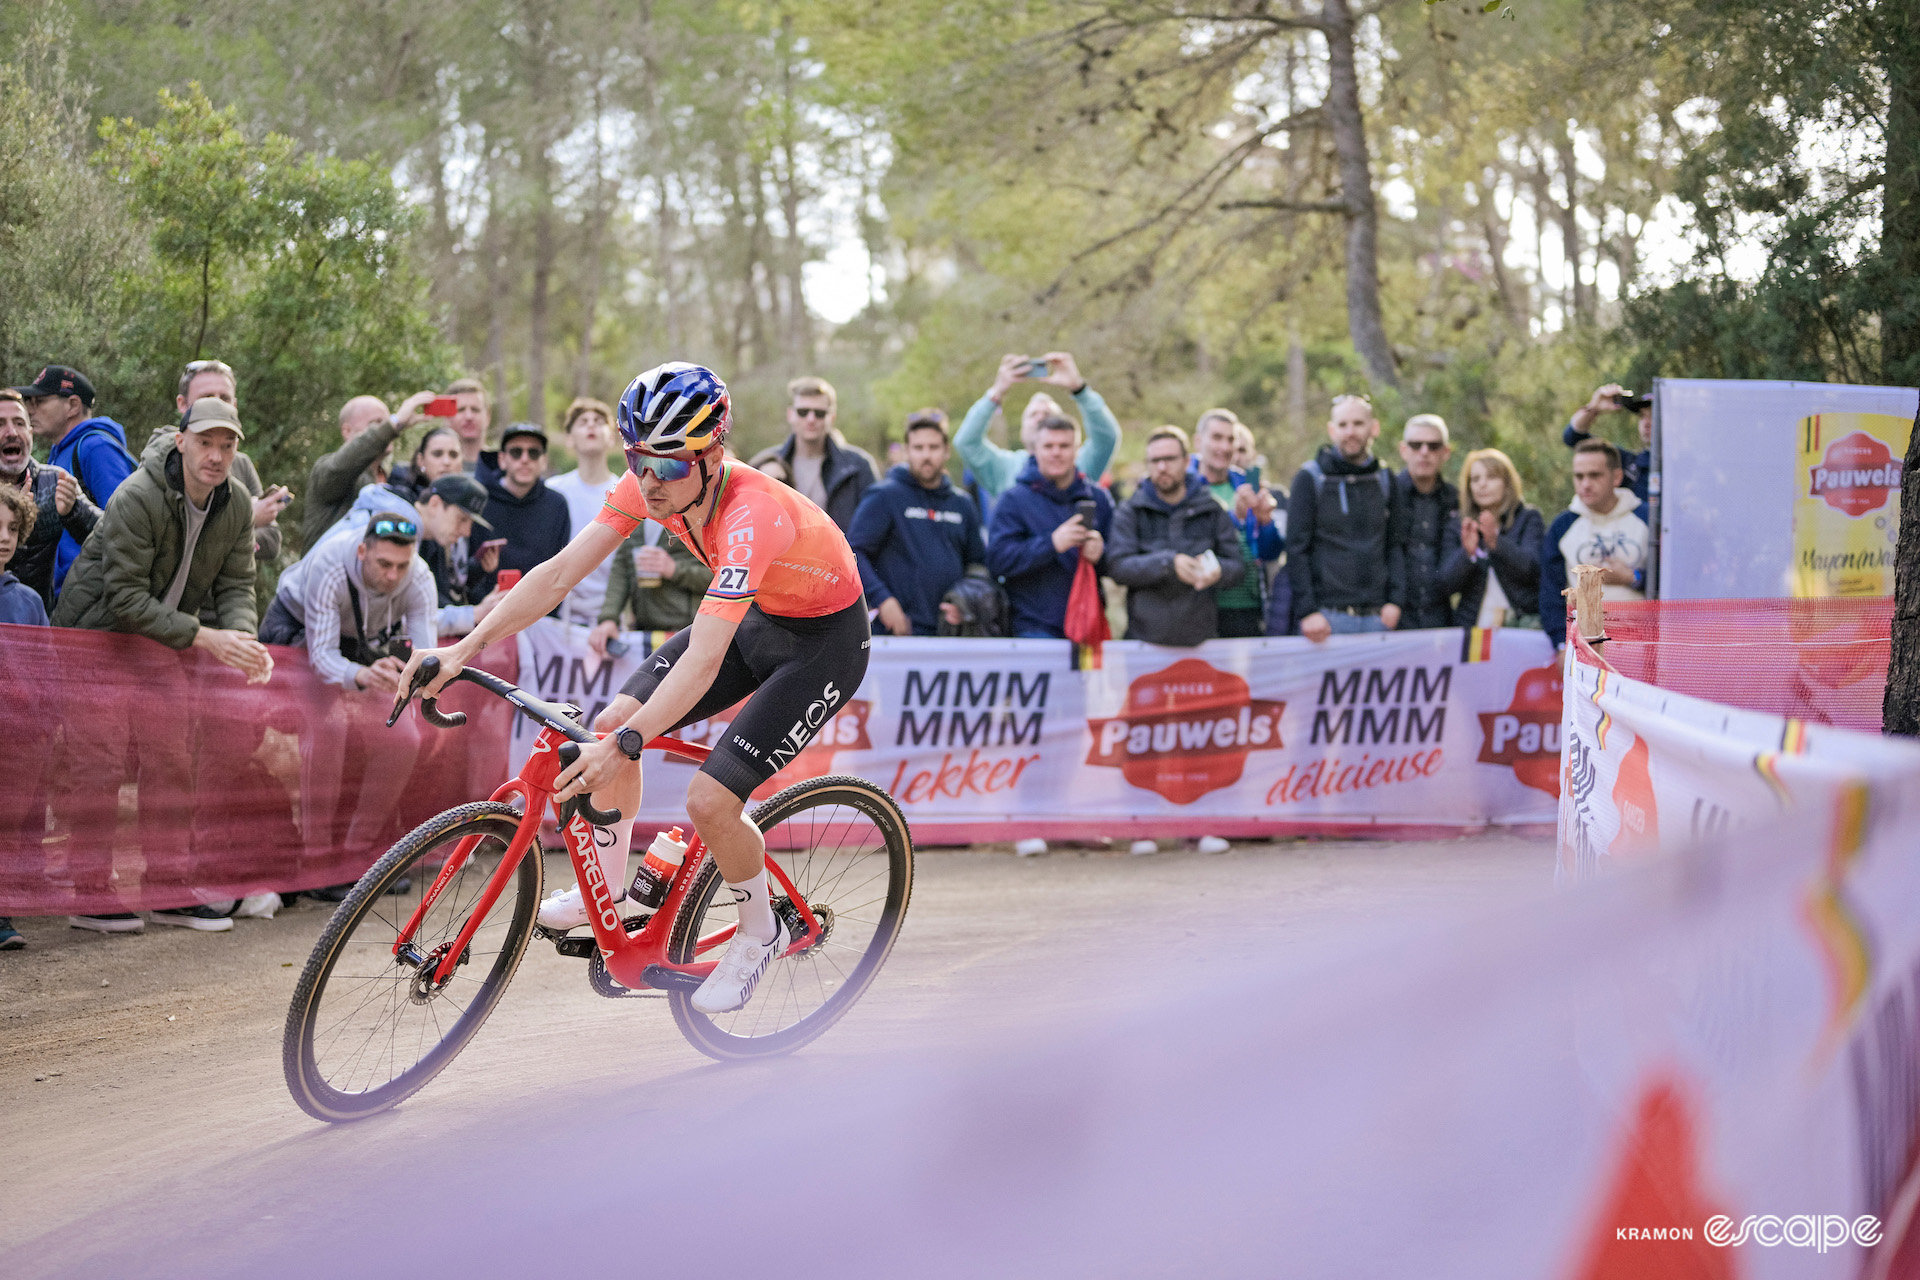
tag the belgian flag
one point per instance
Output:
(1476, 644)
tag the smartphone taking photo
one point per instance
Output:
(1037, 368)
(441, 407)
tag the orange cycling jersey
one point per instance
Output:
(766, 544)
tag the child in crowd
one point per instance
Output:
(20, 604)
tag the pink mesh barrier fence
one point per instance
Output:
(1818, 660)
(140, 777)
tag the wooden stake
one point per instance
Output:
(1589, 615)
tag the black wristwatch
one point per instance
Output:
(630, 742)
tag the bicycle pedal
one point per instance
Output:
(603, 984)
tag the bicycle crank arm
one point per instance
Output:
(661, 978)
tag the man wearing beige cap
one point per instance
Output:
(177, 535)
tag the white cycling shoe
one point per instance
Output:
(732, 981)
(567, 909)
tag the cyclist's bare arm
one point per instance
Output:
(532, 598)
(600, 763)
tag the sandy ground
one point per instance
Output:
(141, 1096)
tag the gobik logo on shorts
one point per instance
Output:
(1186, 730)
(1857, 475)
(1526, 736)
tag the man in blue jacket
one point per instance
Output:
(92, 450)
(915, 535)
(1040, 532)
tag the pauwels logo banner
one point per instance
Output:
(989, 739)
(1186, 731)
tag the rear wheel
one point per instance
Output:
(845, 845)
(367, 1028)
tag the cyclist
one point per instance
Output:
(784, 626)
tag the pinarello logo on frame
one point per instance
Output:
(1526, 736)
(1856, 476)
(1186, 730)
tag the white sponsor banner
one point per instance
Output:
(1723, 437)
(996, 739)
(1649, 770)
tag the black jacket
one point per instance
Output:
(536, 527)
(1346, 547)
(913, 544)
(1147, 534)
(846, 473)
(1433, 524)
(1515, 559)
(33, 561)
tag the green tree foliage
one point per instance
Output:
(291, 268)
(1808, 155)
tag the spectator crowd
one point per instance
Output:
(399, 551)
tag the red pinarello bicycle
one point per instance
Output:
(419, 953)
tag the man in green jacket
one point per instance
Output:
(367, 433)
(176, 536)
(996, 468)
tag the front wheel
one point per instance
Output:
(845, 845)
(369, 1027)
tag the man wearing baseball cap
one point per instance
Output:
(535, 521)
(176, 536)
(91, 449)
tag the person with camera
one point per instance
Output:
(359, 606)
(1043, 527)
(1635, 468)
(367, 433)
(997, 470)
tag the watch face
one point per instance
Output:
(630, 742)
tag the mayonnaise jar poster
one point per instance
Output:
(1846, 509)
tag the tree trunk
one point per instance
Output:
(1364, 322)
(542, 280)
(799, 330)
(1900, 347)
(1296, 382)
(592, 266)
(1900, 709)
(493, 251)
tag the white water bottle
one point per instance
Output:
(657, 869)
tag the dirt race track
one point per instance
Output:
(148, 1130)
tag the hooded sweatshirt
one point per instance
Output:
(913, 544)
(1346, 536)
(536, 527)
(1020, 547)
(1148, 532)
(314, 591)
(95, 451)
(1579, 536)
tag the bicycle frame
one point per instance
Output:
(627, 956)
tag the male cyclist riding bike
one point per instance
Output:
(784, 625)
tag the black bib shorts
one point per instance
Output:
(794, 672)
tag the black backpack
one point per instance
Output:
(984, 612)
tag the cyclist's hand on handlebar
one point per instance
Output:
(598, 767)
(450, 666)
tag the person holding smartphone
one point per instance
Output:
(1043, 527)
(997, 469)
(1635, 468)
